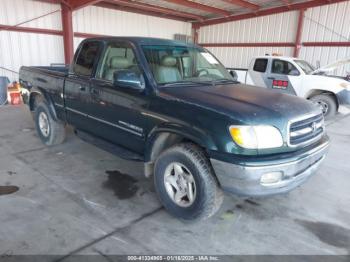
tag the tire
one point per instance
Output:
(327, 103)
(55, 132)
(208, 196)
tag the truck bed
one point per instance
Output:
(48, 78)
(60, 71)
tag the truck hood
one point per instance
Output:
(331, 66)
(244, 104)
(324, 82)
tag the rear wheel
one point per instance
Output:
(185, 183)
(327, 104)
(50, 131)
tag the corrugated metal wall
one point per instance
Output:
(326, 23)
(98, 20)
(273, 28)
(18, 48)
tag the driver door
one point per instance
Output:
(116, 110)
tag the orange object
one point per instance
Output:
(14, 94)
(15, 98)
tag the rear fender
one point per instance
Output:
(34, 92)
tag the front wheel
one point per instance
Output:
(50, 131)
(185, 183)
(327, 104)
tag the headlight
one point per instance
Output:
(256, 137)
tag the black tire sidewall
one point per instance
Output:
(186, 213)
(42, 108)
(332, 106)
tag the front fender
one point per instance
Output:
(197, 135)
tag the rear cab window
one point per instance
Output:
(260, 65)
(86, 58)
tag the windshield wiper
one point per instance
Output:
(185, 82)
(223, 80)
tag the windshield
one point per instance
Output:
(305, 66)
(179, 64)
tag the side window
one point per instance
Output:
(283, 68)
(84, 63)
(260, 65)
(118, 56)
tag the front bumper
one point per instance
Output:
(243, 178)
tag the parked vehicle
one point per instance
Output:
(176, 108)
(297, 77)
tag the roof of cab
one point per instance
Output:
(145, 40)
(286, 58)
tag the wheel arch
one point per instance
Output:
(37, 95)
(164, 137)
(315, 92)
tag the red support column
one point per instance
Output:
(195, 29)
(298, 36)
(67, 27)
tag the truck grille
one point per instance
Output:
(306, 131)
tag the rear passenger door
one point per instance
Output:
(283, 75)
(77, 85)
(257, 72)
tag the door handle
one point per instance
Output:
(82, 88)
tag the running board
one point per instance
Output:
(109, 147)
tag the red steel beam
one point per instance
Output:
(269, 11)
(30, 30)
(139, 11)
(299, 32)
(330, 44)
(286, 2)
(67, 26)
(49, 1)
(243, 3)
(195, 33)
(155, 9)
(277, 44)
(77, 4)
(89, 35)
(198, 6)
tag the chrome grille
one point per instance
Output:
(306, 131)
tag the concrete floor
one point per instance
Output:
(72, 199)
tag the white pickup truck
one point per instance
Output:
(297, 77)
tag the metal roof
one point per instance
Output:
(201, 12)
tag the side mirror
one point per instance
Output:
(129, 79)
(234, 75)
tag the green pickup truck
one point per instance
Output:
(176, 108)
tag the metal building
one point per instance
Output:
(234, 30)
